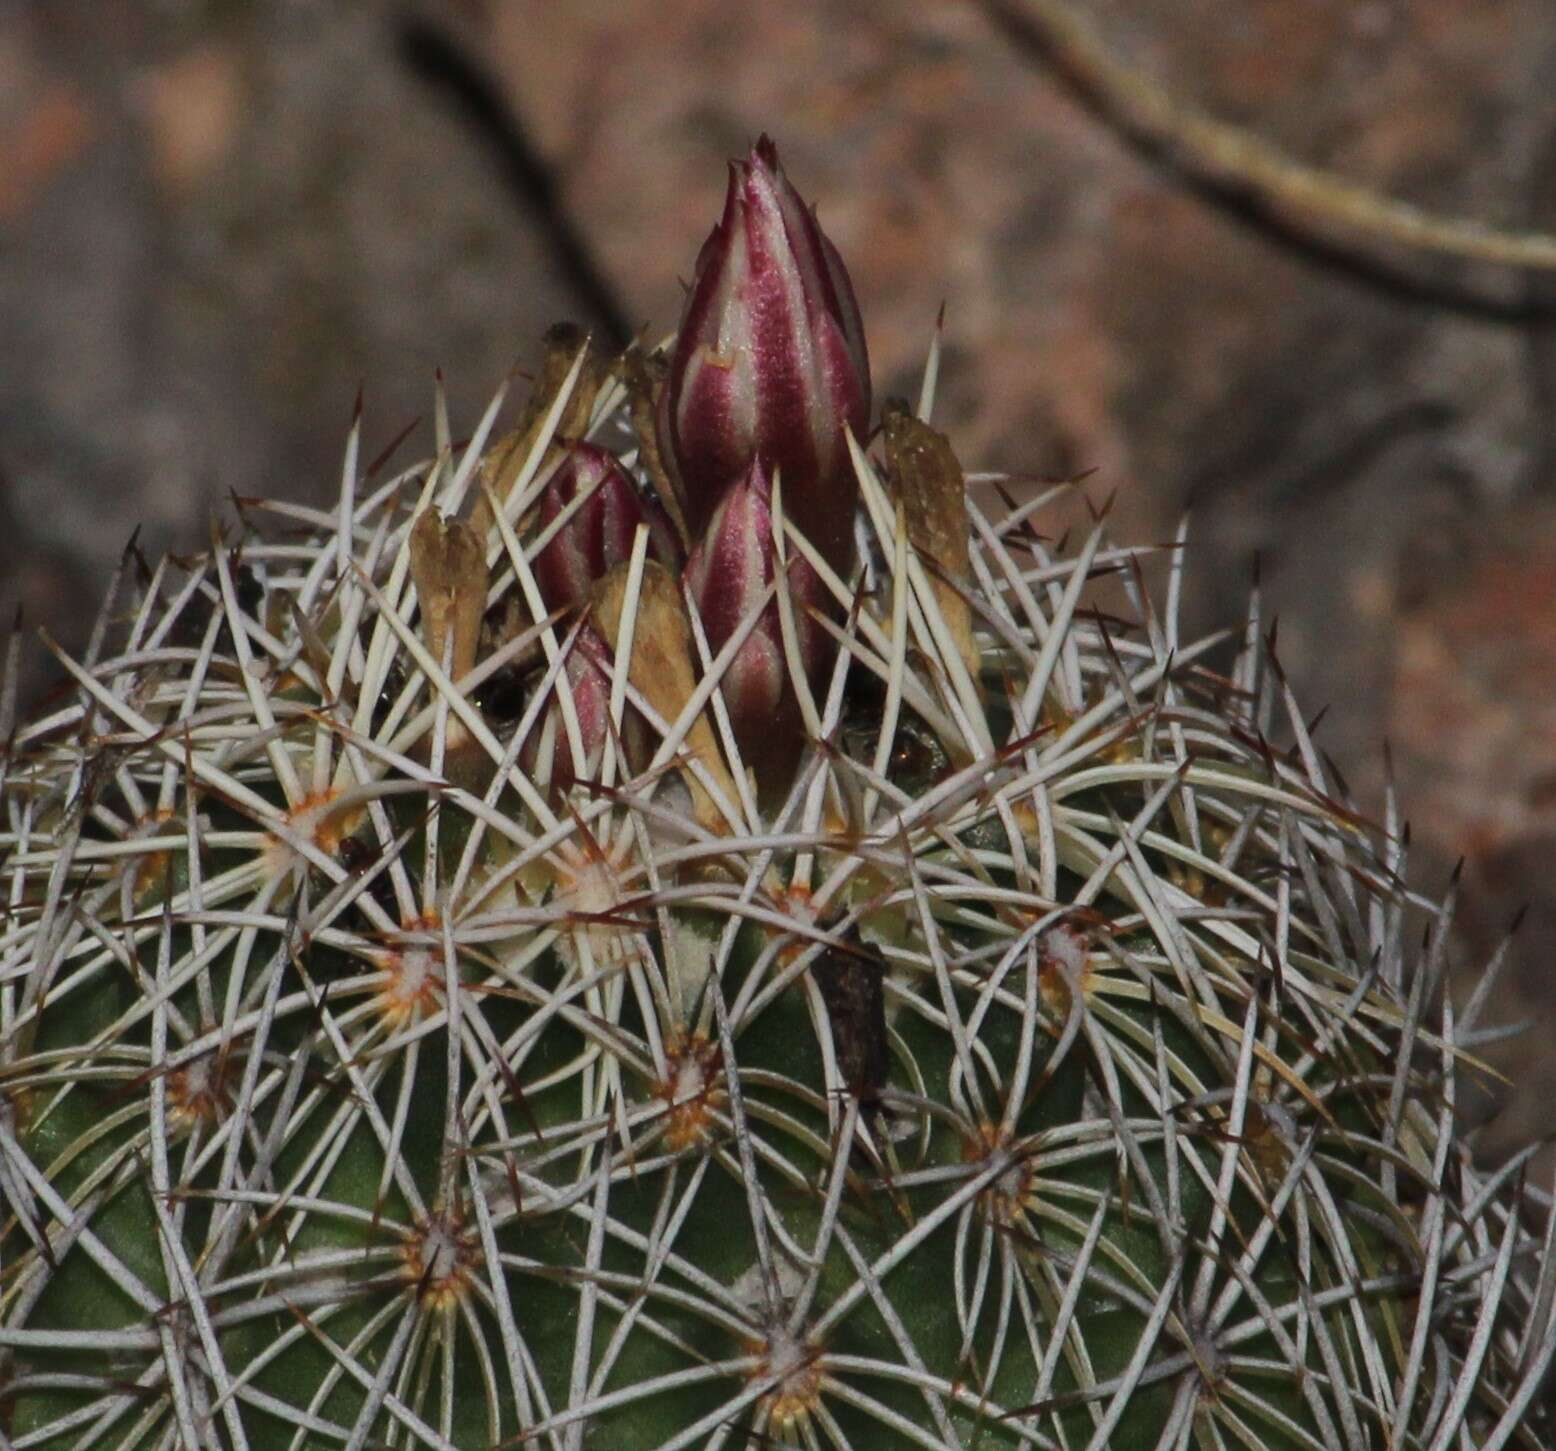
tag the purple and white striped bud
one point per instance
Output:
(770, 360)
(729, 572)
(587, 671)
(599, 532)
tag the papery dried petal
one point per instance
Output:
(506, 457)
(448, 565)
(923, 473)
(661, 669)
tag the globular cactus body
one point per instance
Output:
(415, 1033)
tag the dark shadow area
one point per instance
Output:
(439, 63)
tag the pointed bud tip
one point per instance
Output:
(763, 157)
(762, 365)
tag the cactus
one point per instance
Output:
(433, 1013)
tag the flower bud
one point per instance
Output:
(730, 570)
(587, 671)
(769, 360)
(599, 532)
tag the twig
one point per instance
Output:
(1228, 156)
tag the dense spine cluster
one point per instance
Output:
(435, 1012)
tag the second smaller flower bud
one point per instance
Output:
(729, 572)
(587, 671)
(599, 532)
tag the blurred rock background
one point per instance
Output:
(219, 217)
